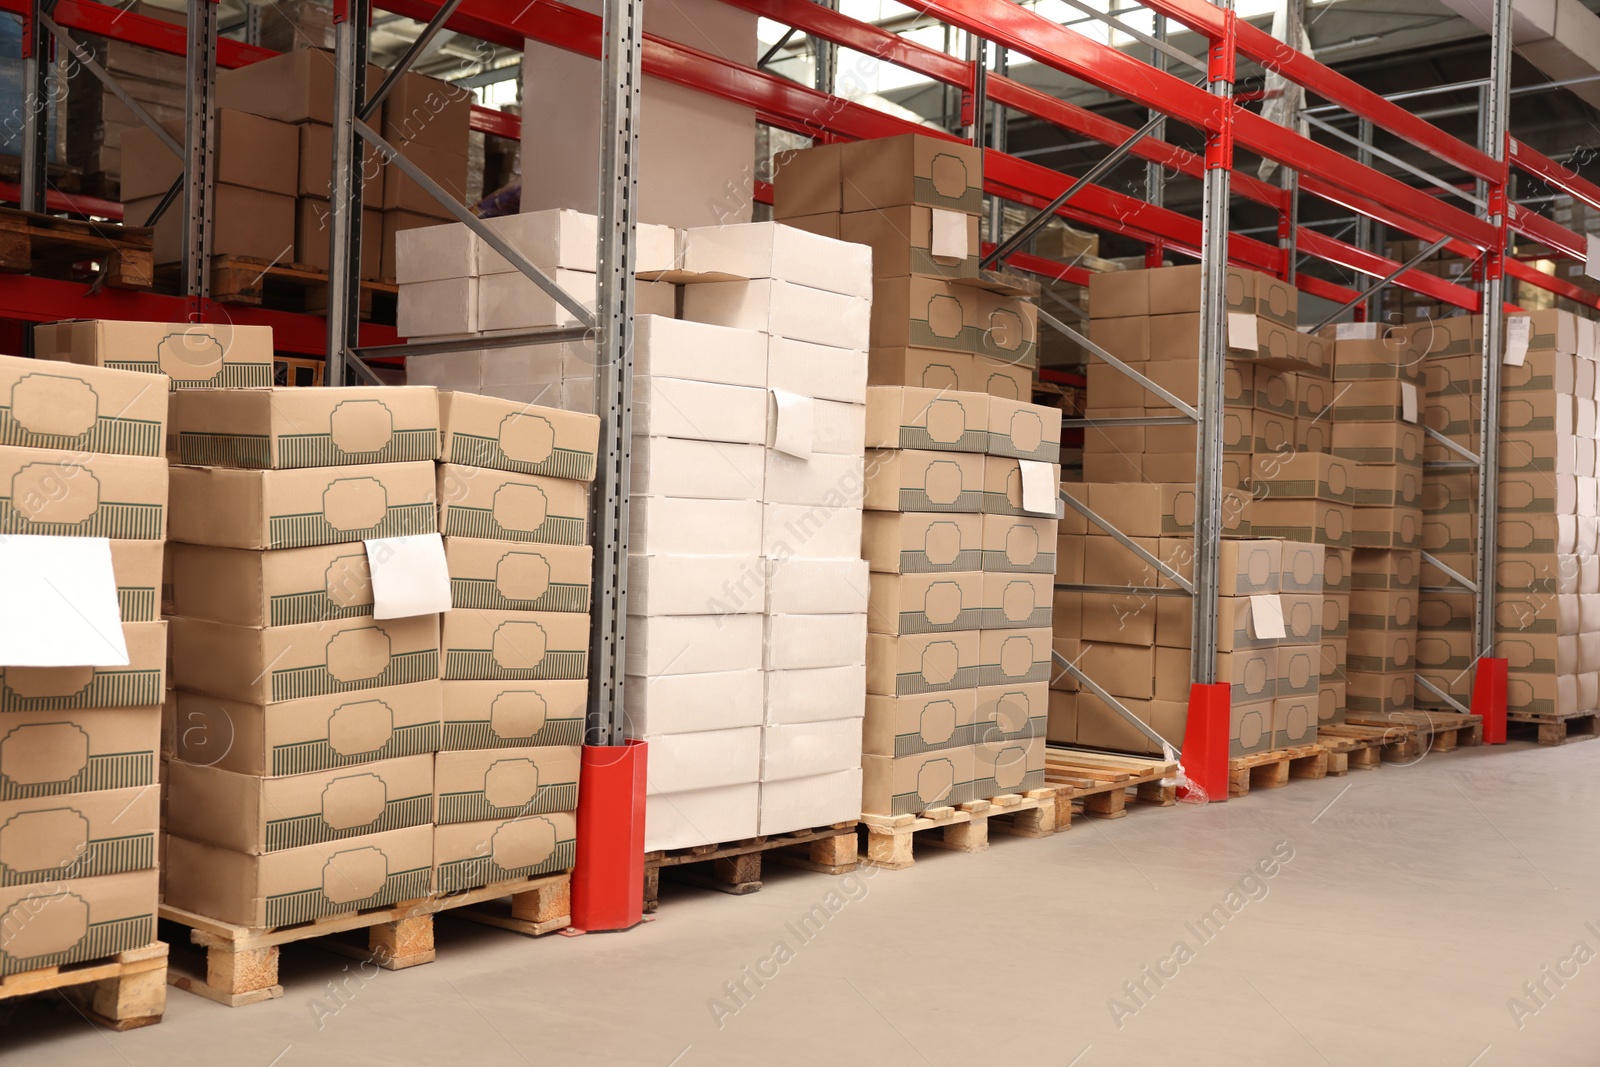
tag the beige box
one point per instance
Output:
(191, 355)
(927, 419)
(294, 508)
(299, 884)
(1371, 693)
(1320, 521)
(1302, 618)
(1393, 610)
(82, 494)
(699, 411)
(1303, 564)
(137, 567)
(278, 663)
(500, 714)
(1063, 721)
(1381, 400)
(902, 543)
(293, 427)
(54, 753)
(1244, 567)
(1335, 615)
(522, 645)
(319, 733)
(1010, 765)
(910, 725)
(925, 603)
(924, 369)
(918, 480)
(1024, 431)
(1302, 476)
(1378, 441)
(254, 815)
(1002, 488)
(1127, 671)
(248, 587)
(1395, 527)
(1299, 669)
(1013, 544)
(1115, 294)
(1386, 485)
(80, 408)
(924, 313)
(499, 505)
(911, 169)
(81, 835)
(901, 239)
(1380, 651)
(1366, 351)
(785, 309)
(922, 663)
(1007, 329)
(481, 431)
(1016, 601)
(140, 683)
(1014, 657)
(907, 785)
(505, 783)
(75, 920)
(1001, 377)
(807, 182)
(518, 575)
(472, 854)
(1294, 720)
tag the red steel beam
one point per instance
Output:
(1532, 224)
(1377, 266)
(1559, 286)
(72, 203)
(1552, 173)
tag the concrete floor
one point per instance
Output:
(1416, 903)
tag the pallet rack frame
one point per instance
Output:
(1309, 168)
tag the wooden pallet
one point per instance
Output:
(735, 867)
(58, 247)
(1356, 747)
(280, 285)
(241, 962)
(1272, 769)
(1555, 728)
(1097, 783)
(1421, 732)
(960, 828)
(120, 992)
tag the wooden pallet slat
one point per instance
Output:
(122, 992)
(735, 867)
(53, 246)
(1097, 783)
(1036, 813)
(1273, 769)
(1556, 728)
(1415, 733)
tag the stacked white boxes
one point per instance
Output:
(807, 299)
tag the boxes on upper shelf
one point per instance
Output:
(283, 428)
(754, 251)
(189, 354)
(911, 169)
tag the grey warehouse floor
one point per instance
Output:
(1415, 904)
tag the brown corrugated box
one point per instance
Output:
(916, 480)
(1380, 693)
(910, 725)
(507, 645)
(1014, 657)
(925, 603)
(82, 494)
(927, 419)
(1016, 601)
(245, 222)
(284, 428)
(1121, 293)
(250, 152)
(190, 354)
(1294, 721)
(246, 587)
(807, 182)
(921, 663)
(426, 111)
(509, 714)
(1014, 765)
(924, 313)
(924, 369)
(55, 753)
(80, 408)
(312, 230)
(1024, 431)
(1302, 566)
(274, 509)
(1324, 522)
(299, 884)
(1007, 329)
(1001, 377)
(75, 920)
(137, 568)
(1380, 651)
(1380, 485)
(481, 431)
(1301, 476)
(1299, 669)
(141, 683)
(472, 854)
(904, 543)
(292, 87)
(1386, 527)
(1014, 543)
(518, 575)
(505, 783)
(911, 169)
(914, 783)
(45, 839)
(1383, 441)
(901, 239)
(499, 505)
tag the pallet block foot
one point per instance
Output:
(889, 850)
(1112, 804)
(407, 942)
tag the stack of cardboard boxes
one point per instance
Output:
(513, 491)
(81, 457)
(805, 298)
(303, 727)
(96, 120)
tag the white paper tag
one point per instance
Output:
(58, 603)
(1041, 492)
(794, 421)
(949, 235)
(1356, 331)
(409, 576)
(1519, 329)
(1243, 335)
(1266, 610)
(1408, 402)
(1591, 258)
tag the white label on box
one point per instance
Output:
(1243, 334)
(1591, 258)
(1039, 488)
(409, 576)
(1356, 331)
(793, 424)
(1267, 612)
(58, 603)
(1519, 329)
(949, 234)
(1408, 402)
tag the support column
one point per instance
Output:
(35, 106)
(200, 145)
(351, 21)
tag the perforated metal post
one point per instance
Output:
(1496, 116)
(35, 106)
(200, 141)
(350, 29)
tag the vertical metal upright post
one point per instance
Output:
(1220, 69)
(997, 140)
(826, 55)
(350, 29)
(1289, 222)
(200, 144)
(1496, 118)
(35, 107)
(978, 57)
(619, 137)
(1366, 231)
(1155, 174)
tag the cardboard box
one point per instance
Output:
(660, 525)
(1393, 610)
(902, 242)
(82, 835)
(1101, 726)
(472, 854)
(911, 169)
(690, 703)
(706, 411)
(1299, 669)
(80, 408)
(273, 509)
(925, 369)
(1386, 527)
(518, 576)
(900, 543)
(1368, 693)
(1330, 702)
(499, 505)
(299, 884)
(793, 642)
(48, 753)
(798, 586)
(784, 309)
(704, 760)
(814, 694)
(1379, 651)
(249, 151)
(250, 588)
(1382, 569)
(1271, 434)
(1009, 766)
(1128, 618)
(1294, 720)
(1162, 509)
(824, 373)
(925, 603)
(770, 250)
(807, 181)
(1302, 618)
(1017, 544)
(77, 919)
(505, 783)
(1336, 570)
(1008, 329)
(1335, 615)
(254, 815)
(702, 816)
(1378, 400)
(425, 111)
(900, 726)
(1128, 339)
(1251, 674)
(522, 645)
(922, 663)
(1381, 441)
(448, 167)
(82, 494)
(1302, 566)
(511, 301)
(442, 251)
(1001, 378)
(245, 222)
(139, 683)
(480, 431)
(1122, 670)
(803, 750)
(1386, 486)
(1367, 351)
(321, 733)
(1250, 728)
(706, 470)
(1274, 391)
(908, 785)
(810, 531)
(1014, 657)
(926, 419)
(315, 170)
(290, 427)
(1016, 601)
(137, 568)
(823, 480)
(312, 232)
(296, 86)
(917, 480)
(309, 659)
(1063, 723)
(1121, 293)
(551, 239)
(813, 800)
(1302, 476)
(448, 307)
(914, 312)
(1024, 431)
(696, 585)
(1323, 522)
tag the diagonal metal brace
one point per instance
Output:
(1435, 435)
(1409, 264)
(1110, 701)
(1442, 695)
(1454, 575)
(475, 224)
(1056, 324)
(93, 66)
(403, 64)
(1166, 572)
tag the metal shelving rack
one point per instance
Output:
(1015, 32)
